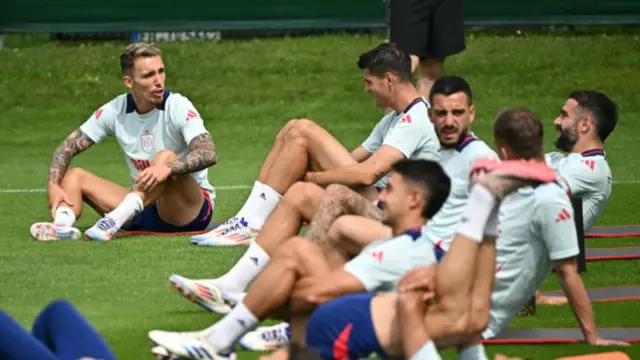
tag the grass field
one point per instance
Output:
(245, 91)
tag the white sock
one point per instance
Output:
(428, 351)
(131, 205)
(224, 334)
(259, 206)
(479, 207)
(473, 352)
(491, 228)
(64, 216)
(238, 278)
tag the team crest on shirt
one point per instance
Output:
(146, 140)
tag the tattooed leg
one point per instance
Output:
(339, 200)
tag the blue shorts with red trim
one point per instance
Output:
(343, 329)
(149, 219)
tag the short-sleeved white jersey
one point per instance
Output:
(170, 126)
(456, 162)
(586, 175)
(535, 227)
(381, 264)
(411, 132)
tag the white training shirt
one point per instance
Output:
(535, 227)
(170, 126)
(456, 162)
(586, 175)
(411, 132)
(381, 264)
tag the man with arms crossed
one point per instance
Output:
(530, 243)
(304, 151)
(415, 192)
(167, 149)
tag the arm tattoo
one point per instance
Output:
(74, 144)
(338, 200)
(202, 154)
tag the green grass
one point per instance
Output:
(245, 91)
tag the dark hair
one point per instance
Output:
(449, 85)
(430, 176)
(387, 57)
(300, 352)
(603, 110)
(521, 130)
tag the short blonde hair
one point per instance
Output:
(134, 52)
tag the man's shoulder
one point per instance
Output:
(551, 193)
(475, 148)
(114, 107)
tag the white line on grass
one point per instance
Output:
(27, 191)
(233, 187)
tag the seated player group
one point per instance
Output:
(411, 214)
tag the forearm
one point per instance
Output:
(352, 176)
(75, 143)
(202, 155)
(580, 303)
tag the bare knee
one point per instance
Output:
(299, 129)
(302, 194)
(74, 174)
(164, 157)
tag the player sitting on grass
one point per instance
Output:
(304, 151)
(453, 113)
(529, 243)
(586, 120)
(416, 191)
(166, 147)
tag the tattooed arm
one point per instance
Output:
(74, 144)
(202, 154)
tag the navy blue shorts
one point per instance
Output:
(149, 219)
(343, 329)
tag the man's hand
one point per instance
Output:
(310, 176)
(152, 176)
(421, 280)
(56, 197)
(604, 342)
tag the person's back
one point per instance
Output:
(535, 227)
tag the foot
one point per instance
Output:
(104, 230)
(205, 293)
(221, 229)
(46, 231)
(502, 178)
(266, 338)
(237, 234)
(188, 345)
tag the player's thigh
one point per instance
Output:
(181, 200)
(352, 233)
(410, 25)
(325, 151)
(101, 194)
(385, 321)
(446, 35)
(307, 256)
